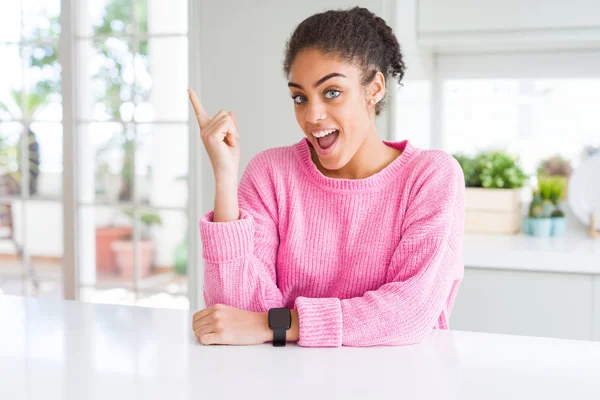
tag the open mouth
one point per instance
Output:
(329, 140)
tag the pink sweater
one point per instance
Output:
(366, 262)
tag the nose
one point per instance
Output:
(315, 112)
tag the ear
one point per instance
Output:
(376, 89)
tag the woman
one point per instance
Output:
(360, 238)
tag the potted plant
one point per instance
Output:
(557, 167)
(537, 223)
(493, 181)
(557, 189)
(545, 218)
(123, 248)
(105, 237)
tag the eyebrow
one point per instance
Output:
(320, 81)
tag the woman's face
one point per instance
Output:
(328, 96)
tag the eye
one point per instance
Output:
(332, 94)
(298, 98)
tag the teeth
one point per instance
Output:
(323, 133)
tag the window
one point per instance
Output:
(31, 139)
(534, 118)
(413, 113)
(532, 104)
(130, 63)
(132, 159)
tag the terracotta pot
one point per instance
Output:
(105, 236)
(123, 251)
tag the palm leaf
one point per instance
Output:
(4, 107)
(29, 103)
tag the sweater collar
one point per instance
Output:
(375, 181)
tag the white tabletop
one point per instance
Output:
(51, 349)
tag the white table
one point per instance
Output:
(51, 349)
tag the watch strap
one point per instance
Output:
(279, 337)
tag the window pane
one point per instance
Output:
(45, 246)
(162, 164)
(31, 259)
(40, 19)
(413, 113)
(162, 16)
(533, 118)
(104, 17)
(162, 80)
(105, 162)
(46, 159)
(164, 235)
(104, 234)
(107, 257)
(41, 99)
(10, 174)
(106, 80)
(10, 21)
(11, 263)
(11, 82)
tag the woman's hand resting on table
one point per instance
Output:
(221, 324)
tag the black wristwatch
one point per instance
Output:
(280, 320)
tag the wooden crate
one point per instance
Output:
(492, 211)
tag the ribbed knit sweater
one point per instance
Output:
(366, 262)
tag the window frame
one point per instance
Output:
(71, 202)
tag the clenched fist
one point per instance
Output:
(221, 324)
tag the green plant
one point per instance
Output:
(469, 169)
(501, 171)
(492, 170)
(551, 189)
(545, 188)
(536, 208)
(8, 156)
(556, 193)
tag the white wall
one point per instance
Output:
(516, 15)
(485, 26)
(412, 104)
(43, 225)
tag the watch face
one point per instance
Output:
(279, 318)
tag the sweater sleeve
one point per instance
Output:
(239, 256)
(421, 276)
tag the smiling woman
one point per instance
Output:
(341, 238)
(337, 113)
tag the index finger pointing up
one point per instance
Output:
(203, 118)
